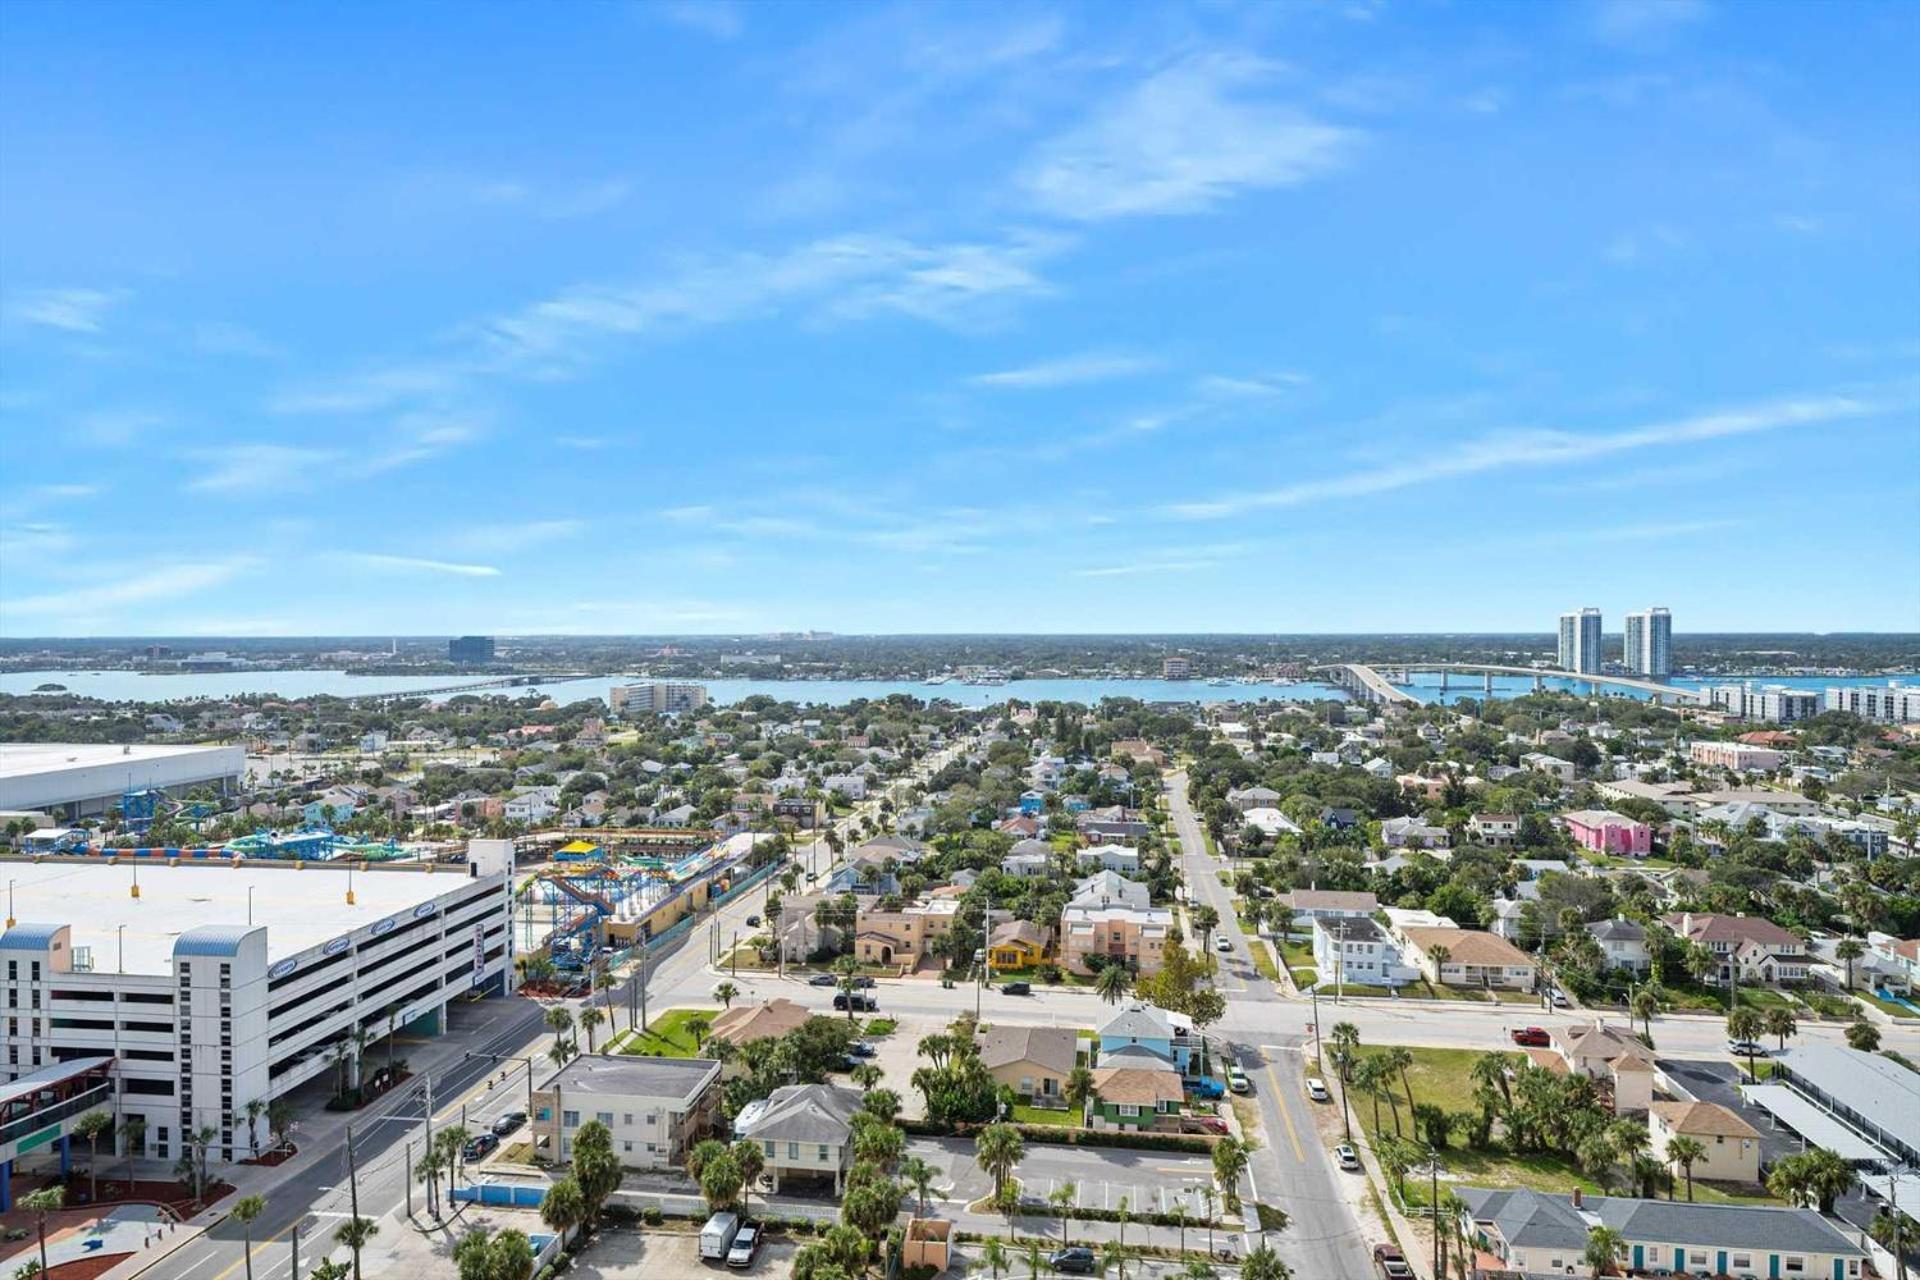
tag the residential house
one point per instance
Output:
(767, 1020)
(1472, 959)
(1355, 949)
(1108, 888)
(1028, 858)
(1536, 1234)
(1552, 766)
(802, 936)
(1140, 750)
(1134, 1096)
(905, 936)
(1605, 832)
(1245, 798)
(657, 1109)
(1313, 904)
(851, 786)
(1334, 818)
(1897, 961)
(1019, 944)
(1032, 1061)
(804, 1131)
(1623, 944)
(1413, 833)
(1497, 830)
(1114, 933)
(1677, 798)
(1110, 823)
(1749, 949)
(1732, 1145)
(1138, 1027)
(1617, 1059)
(803, 813)
(1271, 822)
(1122, 858)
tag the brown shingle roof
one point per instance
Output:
(1704, 1117)
(746, 1022)
(1138, 1086)
(1468, 946)
(1050, 1047)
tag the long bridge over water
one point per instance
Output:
(472, 686)
(1374, 686)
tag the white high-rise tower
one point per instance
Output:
(1650, 642)
(1580, 641)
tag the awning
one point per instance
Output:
(1818, 1127)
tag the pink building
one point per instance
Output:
(1604, 831)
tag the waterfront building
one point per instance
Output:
(1580, 641)
(656, 697)
(1775, 704)
(1176, 668)
(470, 649)
(1649, 650)
(1740, 757)
(77, 780)
(1892, 703)
(216, 985)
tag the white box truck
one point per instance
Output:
(717, 1236)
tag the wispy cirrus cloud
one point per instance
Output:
(418, 437)
(1068, 371)
(1168, 560)
(136, 586)
(266, 468)
(415, 564)
(1187, 138)
(69, 310)
(720, 19)
(503, 538)
(1437, 461)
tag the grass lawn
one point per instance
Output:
(669, 1036)
(1763, 998)
(1426, 990)
(1263, 960)
(1304, 978)
(1724, 1193)
(1358, 989)
(1697, 999)
(1825, 1003)
(881, 1026)
(1024, 1114)
(1886, 1006)
(1296, 954)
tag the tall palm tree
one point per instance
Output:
(1603, 1249)
(1079, 1090)
(355, 1233)
(1684, 1151)
(565, 1206)
(94, 1126)
(1849, 950)
(1490, 1069)
(1063, 1198)
(1781, 1024)
(1114, 1254)
(994, 1255)
(41, 1203)
(1400, 1058)
(590, 1019)
(254, 1110)
(1345, 1039)
(1644, 1005)
(725, 994)
(244, 1211)
(133, 1135)
(1113, 983)
(997, 1151)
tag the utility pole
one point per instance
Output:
(642, 984)
(353, 1178)
(1433, 1168)
(426, 1153)
(293, 1238)
(407, 1175)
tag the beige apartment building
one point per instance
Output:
(906, 936)
(1135, 936)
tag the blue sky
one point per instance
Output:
(710, 317)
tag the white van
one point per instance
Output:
(717, 1236)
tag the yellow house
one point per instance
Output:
(1732, 1145)
(1019, 944)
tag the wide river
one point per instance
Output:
(135, 686)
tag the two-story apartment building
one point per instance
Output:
(1623, 944)
(1354, 949)
(1497, 830)
(1469, 958)
(1309, 905)
(905, 936)
(1732, 1145)
(805, 1131)
(656, 1108)
(1603, 831)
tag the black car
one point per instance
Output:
(822, 980)
(1077, 1260)
(1018, 988)
(507, 1123)
(753, 922)
(861, 1049)
(856, 1002)
(863, 982)
(478, 1147)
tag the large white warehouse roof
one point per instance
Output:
(38, 775)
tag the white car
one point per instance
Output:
(1237, 1080)
(1223, 943)
(745, 1245)
(1317, 1089)
(1349, 1158)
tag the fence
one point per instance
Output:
(506, 1195)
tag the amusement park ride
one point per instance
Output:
(142, 810)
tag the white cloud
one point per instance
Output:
(583, 443)
(111, 428)
(418, 437)
(263, 467)
(717, 18)
(557, 201)
(1069, 371)
(154, 582)
(1631, 22)
(70, 310)
(518, 537)
(413, 564)
(1436, 461)
(1180, 142)
(1257, 387)
(370, 391)
(234, 340)
(849, 277)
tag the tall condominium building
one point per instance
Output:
(656, 698)
(1176, 668)
(1580, 641)
(1650, 642)
(1893, 703)
(470, 649)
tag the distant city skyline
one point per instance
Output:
(713, 318)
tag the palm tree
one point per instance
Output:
(1644, 1005)
(1781, 1024)
(993, 1254)
(1440, 955)
(1063, 1198)
(255, 1109)
(848, 968)
(1345, 1053)
(1863, 1036)
(1400, 1059)
(1198, 1269)
(41, 1203)
(751, 1159)
(565, 1206)
(1490, 1070)
(1079, 1090)
(866, 1075)
(1684, 1151)
(559, 1020)
(1035, 1260)
(725, 994)
(133, 1134)
(94, 1126)
(244, 1211)
(1230, 1158)
(1113, 983)
(1603, 1247)
(1849, 950)
(998, 1151)
(1114, 1254)
(590, 1018)
(355, 1233)
(1746, 1024)
(1208, 1199)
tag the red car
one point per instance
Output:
(1532, 1037)
(1203, 1124)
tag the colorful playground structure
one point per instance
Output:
(589, 899)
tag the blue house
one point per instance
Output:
(1032, 804)
(1140, 1027)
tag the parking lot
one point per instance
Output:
(629, 1255)
(1149, 1181)
(1718, 1082)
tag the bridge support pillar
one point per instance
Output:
(1538, 684)
(6, 1186)
(1489, 684)
(1443, 681)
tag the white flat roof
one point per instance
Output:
(1810, 1122)
(300, 909)
(24, 759)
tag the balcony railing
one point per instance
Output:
(14, 1130)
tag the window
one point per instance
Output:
(1794, 1265)
(626, 1118)
(604, 1117)
(767, 1145)
(570, 1119)
(824, 1156)
(793, 1151)
(1742, 1262)
(1697, 1259)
